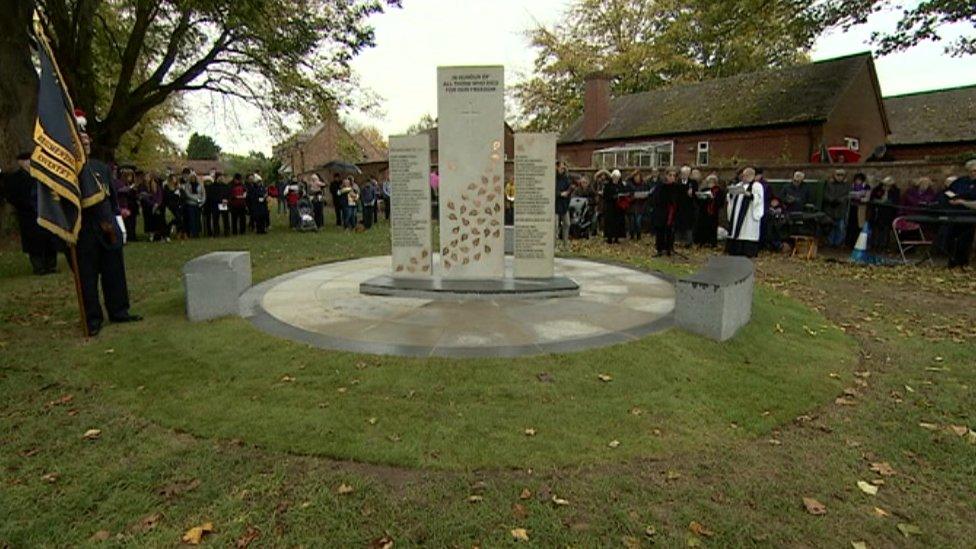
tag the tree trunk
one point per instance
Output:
(18, 89)
(18, 82)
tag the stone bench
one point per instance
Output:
(214, 282)
(716, 301)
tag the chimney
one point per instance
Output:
(596, 104)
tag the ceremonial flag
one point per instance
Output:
(59, 157)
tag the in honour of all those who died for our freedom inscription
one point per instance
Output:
(410, 200)
(535, 184)
(471, 159)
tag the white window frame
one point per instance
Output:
(635, 155)
(703, 153)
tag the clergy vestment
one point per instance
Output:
(745, 210)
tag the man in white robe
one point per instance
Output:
(745, 211)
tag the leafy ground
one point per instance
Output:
(718, 444)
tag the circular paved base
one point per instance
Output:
(322, 306)
(439, 288)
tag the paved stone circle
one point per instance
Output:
(321, 306)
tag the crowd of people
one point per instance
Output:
(682, 207)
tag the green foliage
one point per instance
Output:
(202, 147)
(255, 161)
(925, 21)
(647, 44)
(425, 123)
(122, 58)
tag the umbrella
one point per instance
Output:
(341, 167)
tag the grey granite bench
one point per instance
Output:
(716, 301)
(214, 282)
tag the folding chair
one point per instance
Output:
(914, 238)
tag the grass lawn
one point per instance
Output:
(278, 444)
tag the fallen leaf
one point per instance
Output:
(909, 389)
(959, 430)
(867, 488)
(559, 501)
(845, 401)
(630, 542)
(545, 377)
(177, 488)
(475, 499)
(385, 542)
(929, 426)
(520, 534)
(250, 534)
(672, 475)
(699, 529)
(814, 507)
(883, 469)
(859, 545)
(879, 512)
(194, 535)
(614, 443)
(287, 379)
(51, 477)
(344, 489)
(61, 401)
(526, 493)
(518, 511)
(372, 421)
(650, 531)
(146, 523)
(529, 432)
(101, 535)
(909, 529)
(605, 378)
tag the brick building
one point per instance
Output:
(939, 124)
(780, 116)
(305, 152)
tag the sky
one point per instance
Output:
(411, 42)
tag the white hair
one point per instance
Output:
(799, 175)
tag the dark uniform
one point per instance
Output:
(960, 237)
(37, 242)
(100, 254)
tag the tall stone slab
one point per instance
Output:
(535, 204)
(410, 199)
(471, 160)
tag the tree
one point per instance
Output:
(254, 162)
(373, 136)
(147, 145)
(122, 58)
(645, 44)
(202, 147)
(425, 123)
(18, 85)
(926, 21)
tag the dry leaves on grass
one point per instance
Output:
(908, 530)
(879, 512)
(195, 535)
(959, 430)
(92, 434)
(250, 535)
(560, 502)
(814, 507)
(101, 535)
(867, 487)
(529, 432)
(475, 499)
(606, 378)
(178, 488)
(859, 545)
(344, 489)
(614, 443)
(883, 469)
(385, 542)
(287, 379)
(526, 493)
(146, 523)
(520, 534)
(60, 402)
(699, 529)
(51, 477)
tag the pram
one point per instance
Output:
(306, 221)
(582, 218)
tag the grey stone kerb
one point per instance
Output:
(716, 301)
(214, 282)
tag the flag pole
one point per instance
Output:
(81, 301)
